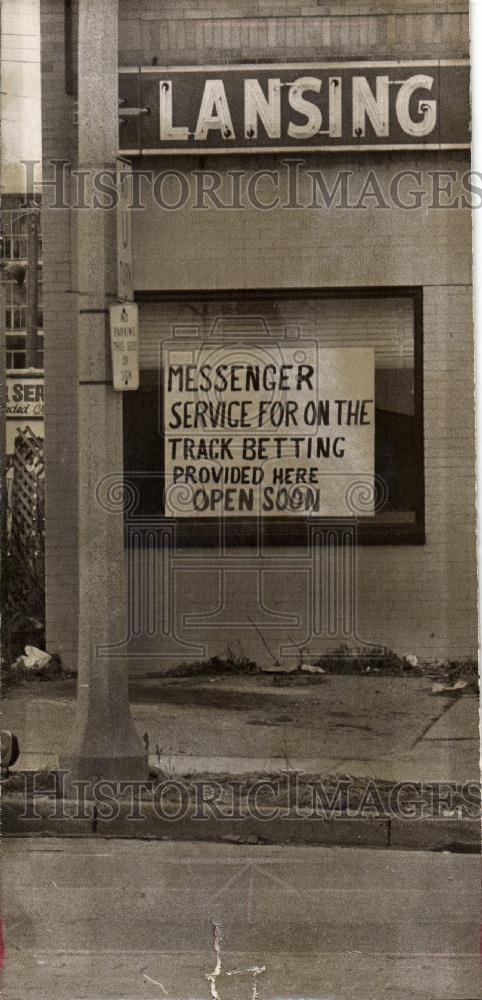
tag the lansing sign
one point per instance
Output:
(296, 107)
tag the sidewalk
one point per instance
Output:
(366, 730)
(390, 728)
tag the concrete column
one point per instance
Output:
(59, 140)
(105, 743)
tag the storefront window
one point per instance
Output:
(390, 324)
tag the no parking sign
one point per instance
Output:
(124, 340)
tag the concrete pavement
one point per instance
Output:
(98, 920)
(392, 728)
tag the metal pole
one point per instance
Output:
(32, 288)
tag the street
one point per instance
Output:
(99, 918)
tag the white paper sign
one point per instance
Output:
(124, 341)
(268, 430)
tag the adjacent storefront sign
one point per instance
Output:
(267, 431)
(124, 340)
(297, 107)
(25, 405)
(25, 397)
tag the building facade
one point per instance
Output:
(358, 241)
(21, 247)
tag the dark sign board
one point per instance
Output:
(295, 107)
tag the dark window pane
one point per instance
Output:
(385, 323)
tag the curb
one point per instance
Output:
(457, 835)
(439, 834)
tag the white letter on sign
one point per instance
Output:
(267, 109)
(167, 129)
(334, 106)
(427, 109)
(312, 114)
(366, 103)
(214, 112)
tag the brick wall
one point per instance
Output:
(184, 32)
(413, 598)
(420, 598)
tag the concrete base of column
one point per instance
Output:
(105, 743)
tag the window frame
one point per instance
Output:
(278, 532)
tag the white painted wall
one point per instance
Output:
(20, 91)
